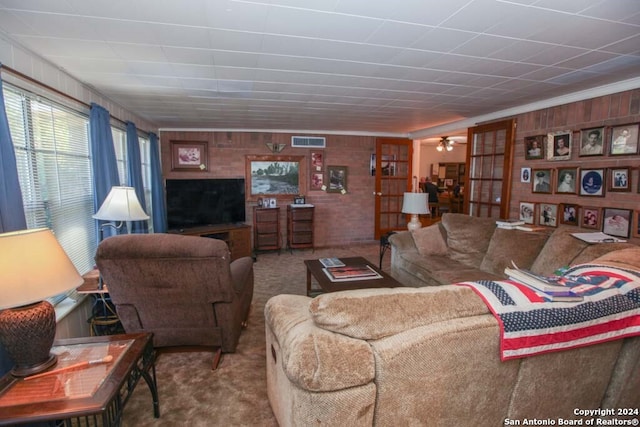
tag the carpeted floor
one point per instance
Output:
(191, 394)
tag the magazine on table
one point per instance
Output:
(331, 262)
(351, 272)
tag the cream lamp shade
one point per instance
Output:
(415, 204)
(121, 204)
(33, 266)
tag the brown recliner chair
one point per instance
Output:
(183, 289)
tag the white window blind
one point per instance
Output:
(145, 156)
(52, 153)
(120, 146)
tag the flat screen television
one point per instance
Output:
(203, 202)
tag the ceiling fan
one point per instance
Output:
(445, 144)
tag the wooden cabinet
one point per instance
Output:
(266, 229)
(299, 226)
(237, 237)
(452, 171)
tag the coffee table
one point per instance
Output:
(314, 269)
(93, 395)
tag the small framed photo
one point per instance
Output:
(619, 179)
(592, 182)
(569, 214)
(559, 145)
(635, 231)
(527, 212)
(534, 147)
(337, 176)
(317, 161)
(617, 222)
(592, 142)
(590, 217)
(189, 155)
(624, 140)
(542, 181)
(298, 200)
(317, 180)
(548, 215)
(525, 175)
(567, 180)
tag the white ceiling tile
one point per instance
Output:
(336, 64)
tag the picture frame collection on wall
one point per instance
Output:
(583, 181)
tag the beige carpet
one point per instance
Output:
(236, 394)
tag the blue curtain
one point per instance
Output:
(134, 169)
(158, 205)
(103, 158)
(11, 206)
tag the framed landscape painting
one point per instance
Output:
(275, 176)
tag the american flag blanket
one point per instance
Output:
(531, 324)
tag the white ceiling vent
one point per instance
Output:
(308, 141)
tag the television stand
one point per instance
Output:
(237, 236)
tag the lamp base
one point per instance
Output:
(414, 224)
(27, 333)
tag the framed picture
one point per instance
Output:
(617, 222)
(548, 215)
(592, 142)
(317, 180)
(624, 140)
(525, 175)
(337, 177)
(559, 145)
(566, 182)
(590, 217)
(298, 200)
(527, 212)
(387, 165)
(636, 224)
(274, 176)
(534, 147)
(189, 155)
(619, 179)
(542, 181)
(317, 161)
(569, 214)
(592, 182)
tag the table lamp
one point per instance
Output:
(121, 205)
(33, 266)
(415, 204)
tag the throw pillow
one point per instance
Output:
(429, 240)
(521, 247)
(468, 237)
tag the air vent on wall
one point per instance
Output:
(308, 141)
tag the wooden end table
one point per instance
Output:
(314, 269)
(97, 393)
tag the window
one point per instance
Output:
(54, 169)
(145, 156)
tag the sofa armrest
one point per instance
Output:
(313, 358)
(403, 242)
(241, 273)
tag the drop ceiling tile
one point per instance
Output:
(181, 55)
(391, 33)
(136, 52)
(442, 40)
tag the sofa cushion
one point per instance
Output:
(468, 237)
(521, 247)
(627, 258)
(429, 240)
(591, 252)
(371, 314)
(560, 251)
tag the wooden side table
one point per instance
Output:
(105, 320)
(98, 393)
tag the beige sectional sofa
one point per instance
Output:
(429, 356)
(464, 248)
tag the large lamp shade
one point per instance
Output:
(33, 266)
(121, 204)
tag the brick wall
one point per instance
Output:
(339, 219)
(611, 110)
